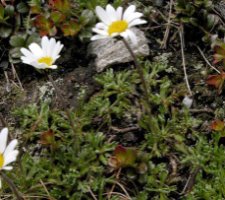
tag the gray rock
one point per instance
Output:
(113, 51)
(47, 90)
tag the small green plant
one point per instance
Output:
(60, 15)
(10, 16)
(75, 174)
(188, 11)
(159, 166)
(198, 15)
(217, 80)
(52, 131)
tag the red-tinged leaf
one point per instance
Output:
(219, 53)
(217, 125)
(217, 58)
(57, 17)
(217, 81)
(44, 25)
(119, 150)
(63, 6)
(123, 157)
(35, 10)
(47, 138)
(70, 28)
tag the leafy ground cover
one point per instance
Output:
(93, 135)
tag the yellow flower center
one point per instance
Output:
(1, 160)
(117, 27)
(46, 60)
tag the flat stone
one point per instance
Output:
(112, 51)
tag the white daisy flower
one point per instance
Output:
(116, 22)
(44, 56)
(8, 153)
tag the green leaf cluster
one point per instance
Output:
(169, 156)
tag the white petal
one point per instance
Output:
(25, 59)
(119, 13)
(3, 139)
(101, 25)
(27, 53)
(42, 65)
(102, 15)
(111, 12)
(55, 54)
(100, 32)
(52, 67)
(137, 22)
(129, 11)
(125, 35)
(51, 46)
(27, 62)
(38, 65)
(55, 58)
(44, 44)
(59, 49)
(36, 50)
(10, 148)
(97, 37)
(132, 37)
(34, 64)
(135, 15)
(114, 34)
(129, 35)
(10, 158)
(7, 168)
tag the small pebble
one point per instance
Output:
(187, 101)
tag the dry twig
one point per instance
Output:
(183, 59)
(7, 81)
(4, 123)
(122, 196)
(168, 25)
(12, 186)
(202, 54)
(16, 76)
(3, 3)
(124, 190)
(124, 130)
(113, 187)
(92, 194)
(46, 190)
(203, 110)
(191, 180)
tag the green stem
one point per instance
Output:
(153, 126)
(12, 186)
